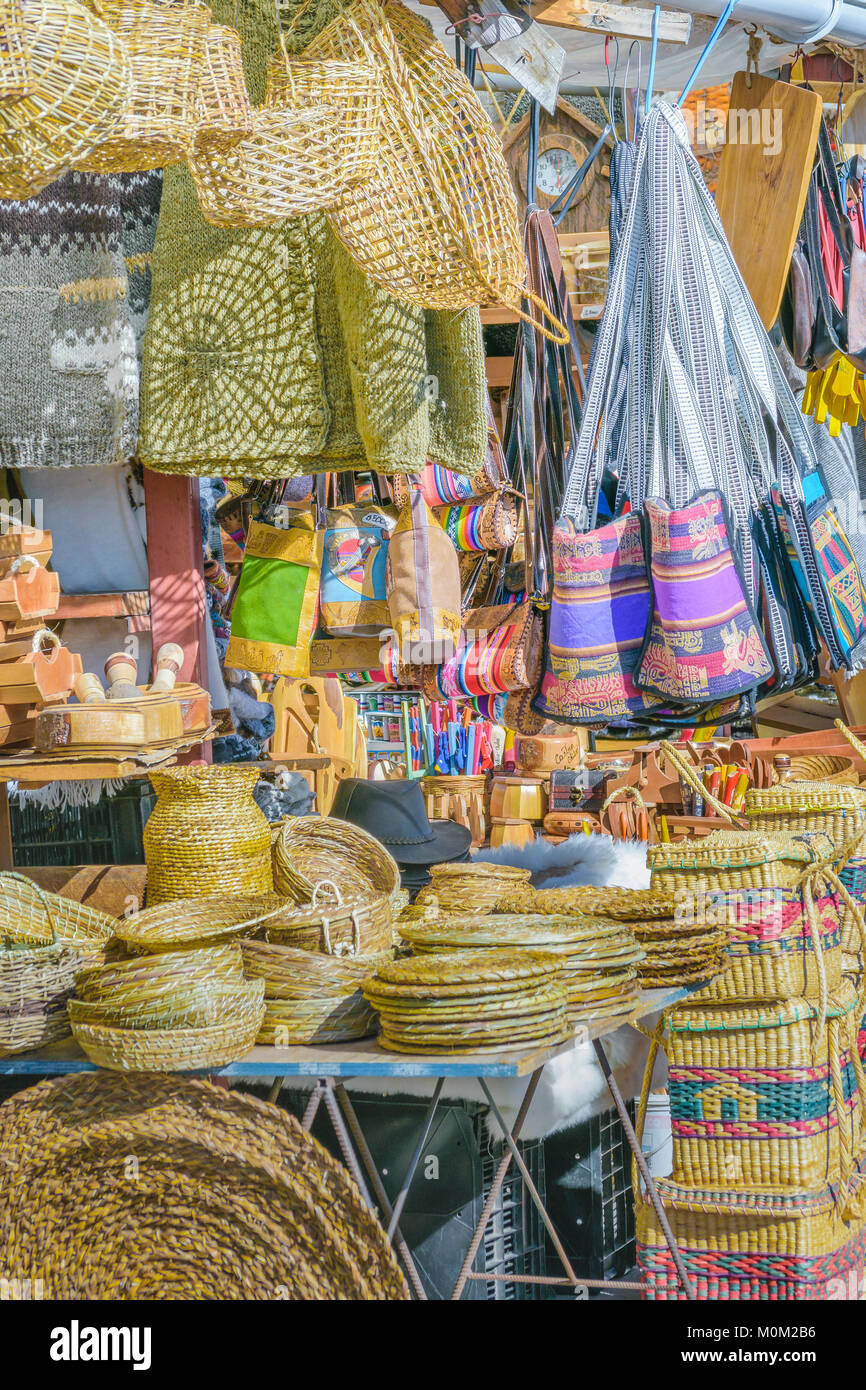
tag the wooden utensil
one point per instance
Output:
(763, 181)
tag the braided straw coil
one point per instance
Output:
(231, 1199)
(75, 96)
(437, 224)
(166, 45)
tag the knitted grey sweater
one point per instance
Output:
(68, 370)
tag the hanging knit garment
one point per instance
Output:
(704, 406)
(68, 373)
(140, 196)
(268, 354)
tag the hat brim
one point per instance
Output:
(449, 841)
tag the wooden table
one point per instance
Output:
(333, 1066)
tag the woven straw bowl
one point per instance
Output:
(345, 860)
(78, 89)
(169, 1049)
(166, 45)
(232, 1200)
(187, 1006)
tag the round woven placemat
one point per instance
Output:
(229, 1198)
(475, 968)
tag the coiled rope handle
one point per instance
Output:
(326, 921)
(632, 793)
(687, 772)
(859, 748)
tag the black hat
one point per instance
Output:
(395, 813)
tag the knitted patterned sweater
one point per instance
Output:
(68, 372)
(269, 354)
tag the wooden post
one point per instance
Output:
(178, 611)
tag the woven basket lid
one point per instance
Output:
(726, 1018)
(517, 929)
(799, 797)
(729, 849)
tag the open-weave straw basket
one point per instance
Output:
(231, 1199)
(35, 984)
(343, 858)
(75, 97)
(206, 837)
(170, 1049)
(437, 224)
(15, 77)
(223, 115)
(823, 767)
(354, 90)
(166, 45)
(775, 1243)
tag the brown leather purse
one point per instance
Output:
(500, 652)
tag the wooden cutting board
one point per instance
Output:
(764, 176)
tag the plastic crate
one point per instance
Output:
(448, 1194)
(589, 1195)
(108, 832)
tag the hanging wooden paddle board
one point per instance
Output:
(764, 176)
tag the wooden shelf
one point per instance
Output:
(134, 605)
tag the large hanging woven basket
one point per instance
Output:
(436, 225)
(230, 1199)
(75, 97)
(223, 112)
(270, 175)
(15, 79)
(206, 837)
(167, 46)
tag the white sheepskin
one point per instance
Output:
(572, 1087)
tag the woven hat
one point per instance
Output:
(396, 814)
(231, 1198)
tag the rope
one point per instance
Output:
(687, 771)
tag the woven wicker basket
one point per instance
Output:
(437, 225)
(311, 998)
(192, 1006)
(231, 1198)
(77, 92)
(206, 837)
(777, 1243)
(345, 860)
(360, 926)
(823, 767)
(223, 115)
(35, 984)
(185, 922)
(30, 915)
(766, 1096)
(792, 808)
(15, 76)
(148, 980)
(166, 45)
(475, 887)
(727, 859)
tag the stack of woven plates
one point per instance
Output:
(311, 998)
(598, 958)
(679, 948)
(171, 1012)
(469, 1002)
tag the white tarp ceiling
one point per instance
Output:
(584, 62)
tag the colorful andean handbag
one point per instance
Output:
(422, 578)
(487, 524)
(275, 609)
(703, 642)
(499, 652)
(354, 599)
